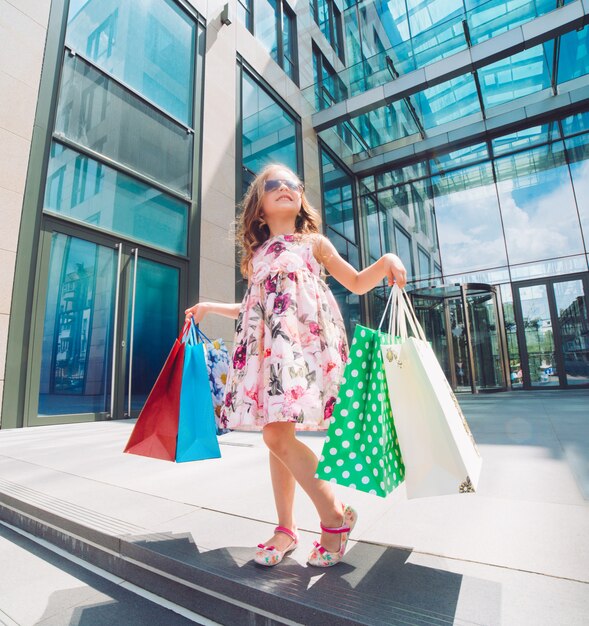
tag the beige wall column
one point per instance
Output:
(23, 31)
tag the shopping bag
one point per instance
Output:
(197, 436)
(156, 429)
(361, 449)
(439, 451)
(217, 358)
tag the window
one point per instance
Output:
(269, 132)
(275, 29)
(149, 46)
(245, 13)
(329, 19)
(329, 89)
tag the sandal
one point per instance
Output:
(319, 556)
(269, 555)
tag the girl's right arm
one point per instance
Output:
(198, 311)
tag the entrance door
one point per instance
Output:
(108, 313)
(553, 331)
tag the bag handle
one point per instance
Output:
(411, 317)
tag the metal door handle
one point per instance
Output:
(115, 347)
(135, 252)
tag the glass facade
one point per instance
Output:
(270, 133)
(110, 34)
(273, 24)
(116, 207)
(340, 229)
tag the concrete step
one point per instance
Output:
(225, 586)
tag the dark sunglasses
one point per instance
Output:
(271, 184)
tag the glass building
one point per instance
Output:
(454, 134)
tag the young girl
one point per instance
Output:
(290, 350)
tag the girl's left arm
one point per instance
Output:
(389, 266)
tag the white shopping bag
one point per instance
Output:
(440, 454)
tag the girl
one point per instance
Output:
(290, 350)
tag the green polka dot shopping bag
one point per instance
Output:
(361, 449)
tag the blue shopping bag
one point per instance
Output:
(197, 432)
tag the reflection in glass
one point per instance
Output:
(77, 345)
(578, 156)
(530, 185)
(573, 60)
(97, 113)
(269, 132)
(573, 325)
(553, 267)
(266, 26)
(349, 303)
(485, 342)
(156, 306)
(112, 32)
(539, 336)
(459, 344)
(515, 366)
(404, 250)
(338, 198)
(516, 76)
(468, 242)
(83, 189)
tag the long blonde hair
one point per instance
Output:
(252, 231)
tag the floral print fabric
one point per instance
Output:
(217, 359)
(290, 342)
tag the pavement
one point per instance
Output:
(516, 552)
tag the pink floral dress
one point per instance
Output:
(290, 342)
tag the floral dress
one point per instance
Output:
(290, 342)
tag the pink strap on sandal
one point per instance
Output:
(319, 556)
(270, 555)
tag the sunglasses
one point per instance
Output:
(271, 184)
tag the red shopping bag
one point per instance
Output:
(156, 430)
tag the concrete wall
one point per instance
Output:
(23, 31)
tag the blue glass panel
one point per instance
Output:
(370, 210)
(83, 189)
(149, 45)
(266, 26)
(349, 303)
(526, 138)
(573, 58)
(99, 114)
(552, 267)
(530, 185)
(424, 263)
(269, 132)
(405, 251)
(468, 241)
(338, 198)
(577, 123)
(76, 355)
(487, 18)
(459, 158)
(156, 306)
(519, 75)
(578, 156)
(447, 102)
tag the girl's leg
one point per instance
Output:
(283, 484)
(302, 463)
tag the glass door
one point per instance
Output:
(107, 316)
(553, 330)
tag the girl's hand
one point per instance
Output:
(396, 272)
(197, 312)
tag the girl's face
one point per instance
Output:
(282, 195)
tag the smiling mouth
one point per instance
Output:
(284, 197)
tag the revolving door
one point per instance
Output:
(465, 326)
